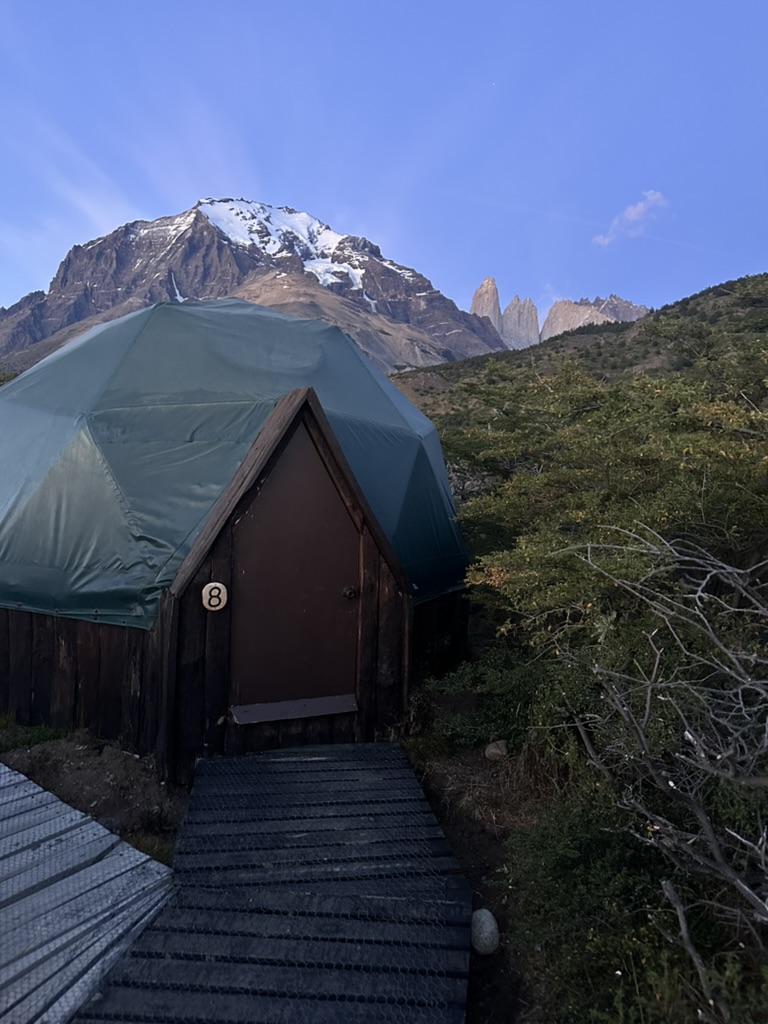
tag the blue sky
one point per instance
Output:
(566, 149)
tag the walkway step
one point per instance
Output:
(312, 885)
(157, 1006)
(72, 899)
(332, 908)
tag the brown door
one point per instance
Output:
(295, 587)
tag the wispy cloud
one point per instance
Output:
(632, 221)
(546, 299)
(202, 152)
(59, 194)
(67, 173)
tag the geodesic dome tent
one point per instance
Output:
(115, 449)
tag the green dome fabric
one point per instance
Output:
(114, 449)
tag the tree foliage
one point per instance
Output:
(620, 550)
(573, 456)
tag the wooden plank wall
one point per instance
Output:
(20, 666)
(4, 664)
(74, 674)
(166, 691)
(202, 723)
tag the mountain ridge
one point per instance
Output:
(518, 325)
(217, 248)
(679, 337)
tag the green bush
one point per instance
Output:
(571, 465)
(588, 911)
(487, 700)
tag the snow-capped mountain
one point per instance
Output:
(273, 255)
(281, 232)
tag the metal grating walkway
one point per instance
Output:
(313, 886)
(72, 898)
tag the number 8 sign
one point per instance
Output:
(214, 596)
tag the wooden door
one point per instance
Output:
(295, 593)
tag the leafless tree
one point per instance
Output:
(688, 716)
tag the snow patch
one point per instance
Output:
(402, 271)
(270, 227)
(328, 273)
(282, 232)
(178, 296)
(169, 226)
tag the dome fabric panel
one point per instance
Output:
(116, 447)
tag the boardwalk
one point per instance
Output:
(72, 898)
(314, 886)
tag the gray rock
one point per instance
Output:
(485, 932)
(485, 302)
(497, 750)
(619, 309)
(520, 324)
(290, 259)
(567, 316)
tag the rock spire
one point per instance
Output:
(485, 302)
(520, 324)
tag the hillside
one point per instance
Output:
(618, 522)
(673, 338)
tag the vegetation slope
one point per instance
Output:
(615, 486)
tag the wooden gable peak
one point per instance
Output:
(298, 406)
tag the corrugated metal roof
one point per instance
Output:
(73, 897)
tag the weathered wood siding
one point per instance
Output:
(202, 679)
(168, 690)
(75, 674)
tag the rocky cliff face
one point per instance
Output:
(223, 247)
(485, 302)
(619, 309)
(567, 316)
(520, 324)
(518, 327)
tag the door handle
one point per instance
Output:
(349, 592)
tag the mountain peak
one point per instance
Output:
(518, 325)
(567, 316)
(274, 229)
(485, 302)
(280, 231)
(282, 257)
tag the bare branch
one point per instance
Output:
(689, 714)
(715, 1003)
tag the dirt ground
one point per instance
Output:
(468, 794)
(472, 799)
(120, 790)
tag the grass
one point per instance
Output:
(14, 736)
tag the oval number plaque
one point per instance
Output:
(214, 596)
